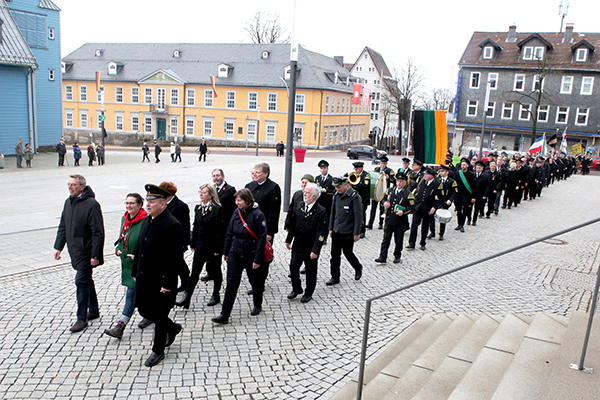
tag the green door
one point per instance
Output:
(161, 126)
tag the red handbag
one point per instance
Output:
(268, 246)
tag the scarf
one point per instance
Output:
(126, 229)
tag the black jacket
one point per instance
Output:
(82, 229)
(181, 212)
(481, 185)
(227, 200)
(424, 195)
(346, 213)
(307, 230)
(447, 191)
(61, 148)
(208, 235)
(463, 195)
(402, 199)
(268, 197)
(297, 198)
(239, 241)
(326, 197)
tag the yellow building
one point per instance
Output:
(165, 91)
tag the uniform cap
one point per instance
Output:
(309, 177)
(384, 159)
(323, 163)
(406, 160)
(418, 162)
(401, 175)
(155, 192)
(430, 171)
(338, 180)
(446, 167)
(358, 164)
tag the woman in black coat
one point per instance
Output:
(207, 244)
(244, 251)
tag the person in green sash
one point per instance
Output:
(464, 194)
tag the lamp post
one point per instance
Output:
(485, 106)
(291, 114)
(257, 128)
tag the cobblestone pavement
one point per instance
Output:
(291, 350)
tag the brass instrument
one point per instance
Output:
(353, 178)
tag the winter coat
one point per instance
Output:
(76, 152)
(127, 244)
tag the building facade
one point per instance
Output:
(551, 76)
(165, 92)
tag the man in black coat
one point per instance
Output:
(203, 150)
(445, 198)
(397, 207)
(157, 151)
(481, 191)
(61, 149)
(155, 270)
(268, 196)
(424, 207)
(465, 194)
(82, 229)
(307, 230)
(363, 188)
(297, 198)
(494, 189)
(325, 181)
(390, 182)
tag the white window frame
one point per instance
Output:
(475, 77)
(99, 94)
(338, 104)
(471, 105)
(565, 112)
(271, 101)
(507, 107)
(190, 97)
(230, 99)
(589, 84)
(488, 52)
(543, 110)
(491, 106)
(148, 95)
(251, 131)
(161, 98)
(148, 124)
(519, 85)
(208, 98)
(566, 85)
(135, 122)
(174, 100)
(98, 119)
(528, 53)
(69, 118)
(300, 103)
(493, 80)
(229, 129)
(207, 126)
(174, 125)
(118, 96)
(83, 119)
(135, 95)
(51, 35)
(190, 129)
(270, 133)
(581, 55)
(252, 100)
(327, 104)
(68, 92)
(538, 53)
(82, 93)
(524, 111)
(585, 115)
(536, 80)
(119, 121)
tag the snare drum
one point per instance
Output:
(378, 186)
(443, 216)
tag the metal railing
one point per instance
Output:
(363, 355)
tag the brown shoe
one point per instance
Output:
(79, 326)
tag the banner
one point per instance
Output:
(366, 99)
(356, 93)
(212, 80)
(97, 81)
(430, 136)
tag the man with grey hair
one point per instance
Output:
(307, 230)
(81, 228)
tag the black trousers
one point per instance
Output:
(397, 231)
(236, 264)
(202, 155)
(157, 311)
(342, 242)
(375, 205)
(364, 223)
(184, 272)
(311, 272)
(211, 261)
(61, 160)
(432, 228)
(479, 209)
(87, 300)
(492, 203)
(145, 158)
(462, 211)
(420, 217)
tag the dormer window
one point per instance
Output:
(176, 54)
(533, 53)
(287, 72)
(65, 67)
(112, 68)
(488, 52)
(489, 49)
(581, 55)
(98, 52)
(224, 70)
(265, 55)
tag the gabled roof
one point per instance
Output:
(49, 5)
(582, 43)
(538, 37)
(199, 61)
(490, 42)
(377, 60)
(14, 49)
(510, 56)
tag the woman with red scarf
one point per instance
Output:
(125, 249)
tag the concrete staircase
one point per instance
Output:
(467, 357)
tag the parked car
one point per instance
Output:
(362, 151)
(594, 163)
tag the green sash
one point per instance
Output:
(464, 181)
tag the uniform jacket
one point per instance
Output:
(297, 198)
(414, 178)
(391, 179)
(208, 235)
(481, 186)
(326, 197)
(268, 197)
(346, 213)
(495, 181)
(82, 229)
(447, 191)
(181, 212)
(363, 188)
(307, 230)
(463, 196)
(512, 180)
(403, 199)
(424, 195)
(239, 241)
(227, 200)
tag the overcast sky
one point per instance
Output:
(433, 33)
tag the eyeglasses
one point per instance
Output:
(129, 203)
(73, 184)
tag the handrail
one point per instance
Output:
(363, 355)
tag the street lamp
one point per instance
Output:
(485, 107)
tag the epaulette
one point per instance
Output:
(454, 184)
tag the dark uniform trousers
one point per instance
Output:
(342, 242)
(423, 218)
(479, 208)
(398, 232)
(158, 312)
(432, 227)
(236, 264)
(462, 212)
(213, 269)
(311, 273)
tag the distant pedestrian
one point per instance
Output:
(61, 149)
(177, 152)
(157, 151)
(100, 153)
(77, 153)
(81, 228)
(172, 152)
(19, 152)
(279, 147)
(145, 152)
(28, 155)
(203, 150)
(91, 153)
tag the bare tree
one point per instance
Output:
(266, 29)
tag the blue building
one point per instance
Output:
(30, 74)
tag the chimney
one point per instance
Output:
(339, 59)
(512, 33)
(1, 23)
(568, 34)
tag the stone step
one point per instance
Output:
(487, 369)
(534, 359)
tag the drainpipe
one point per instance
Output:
(30, 108)
(35, 129)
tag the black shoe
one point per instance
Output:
(255, 311)
(171, 335)
(293, 294)
(358, 274)
(117, 331)
(457, 228)
(303, 270)
(369, 226)
(474, 224)
(462, 229)
(144, 323)
(92, 316)
(410, 247)
(78, 326)
(250, 292)
(214, 300)
(305, 299)
(380, 260)
(487, 216)
(154, 359)
(185, 302)
(380, 226)
(496, 212)
(362, 236)
(516, 205)
(503, 206)
(509, 207)
(423, 247)
(332, 281)
(206, 278)
(221, 319)
(431, 236)
(469, 222)
(181, 288)
(396, 260)
(441, 237)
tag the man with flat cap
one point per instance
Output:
(481, 191)
(390, 180)
(155, 267)
(405, 168)
(397, 206)
(424, 207)
(325, 181)
(344, 228)
(363, 188)
(415, 175)
(445, 198)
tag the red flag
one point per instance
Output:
(97, 81)
(366, 99)
(212, 79)
(356, 93)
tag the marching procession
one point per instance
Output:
(239, 226)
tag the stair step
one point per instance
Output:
(509, 334)
(473, 342)
(389, 375)
(532, 361)
(567, 383)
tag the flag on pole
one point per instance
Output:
(286, 86)
(366, 95)
(356, 93)
(430, 136)
(537, 146)
(563, 144)
(214, 84)
(97, 81)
